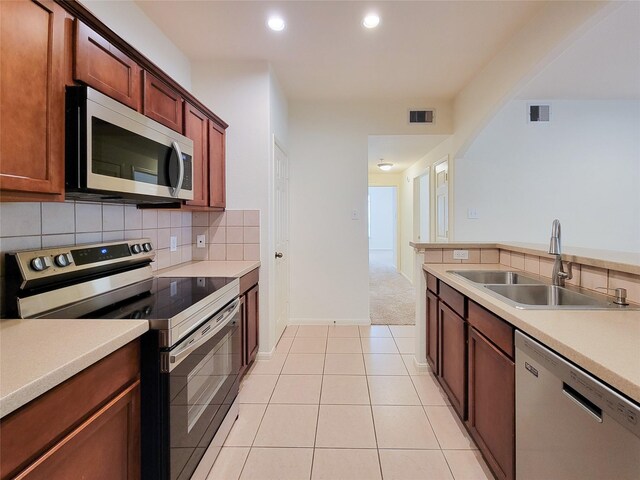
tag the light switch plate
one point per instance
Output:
(174, 244)
(461, 254)
(355, 215)
(472, 213)
(200, 241)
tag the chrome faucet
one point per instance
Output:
(558, 276)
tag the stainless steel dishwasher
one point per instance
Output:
(569, 425)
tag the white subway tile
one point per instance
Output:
(58, 218)
(151, 234)
(20, 219)
(252, 218)
(235, 251)
(88, 237)
(88, 217)
(217, 219)
(235, 218)
(60, 240)
(185, 236)
(217, 251)
(235, 235)
(113, 236)
(218, 235)
(200, 219)
(112, 217)
(149, 219)
(176, 219)
(187, 219)
(252, 251)
(251, 234)
(164, 240)
(132, 218)
(164, 219)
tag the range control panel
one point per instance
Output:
(38, 264)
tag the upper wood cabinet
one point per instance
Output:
(32, 100)
(196, 126)
(162, 103)
(217, 166)
(102, 66)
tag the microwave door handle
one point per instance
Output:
(220, 322)
(176, 148)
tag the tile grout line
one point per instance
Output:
(373, 420)
(315, 436)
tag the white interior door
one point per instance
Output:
(281, 223)
(442, 201)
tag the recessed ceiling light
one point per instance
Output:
(371, 21)
(276, 23)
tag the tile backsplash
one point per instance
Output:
(230, 235)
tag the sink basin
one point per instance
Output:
(550, 297)
(495, 277)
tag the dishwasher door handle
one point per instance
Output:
(584, 403)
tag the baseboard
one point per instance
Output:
(266, 355)
(408, 279)
(329, 321)
(422, 367)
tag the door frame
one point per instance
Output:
(277, 144)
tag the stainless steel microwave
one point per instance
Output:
(114, 153)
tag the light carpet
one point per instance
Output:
(392, 298)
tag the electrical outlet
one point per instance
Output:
(355, 215)
(461, 254)
(200, 241)
(472, 213)
(173, 244)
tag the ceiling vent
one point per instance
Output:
(539, 113)
(422, 116)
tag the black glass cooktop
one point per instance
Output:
(167, 297)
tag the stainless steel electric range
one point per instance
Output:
(191, 357)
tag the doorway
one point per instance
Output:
(391, 295)
(383, 220)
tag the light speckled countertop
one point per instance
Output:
(603, 342)
(36, 355)
(210, 268)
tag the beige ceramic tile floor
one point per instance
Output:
(345, 403)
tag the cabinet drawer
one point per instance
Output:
(248, 280)
(452, 297)
(162, 103)
(432, 283)
(492, 327)
(37, 426)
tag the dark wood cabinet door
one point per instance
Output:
(105, 446)
(432, 331)
(105, 68)
(453, 357)
(32, 99)
(217, 168)
(253, 318)
(492, 404)
(162, 103)
(196, 128)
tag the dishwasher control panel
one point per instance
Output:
(599, 397)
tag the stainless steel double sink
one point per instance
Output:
(528, 293)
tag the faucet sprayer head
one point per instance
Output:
(554, 245)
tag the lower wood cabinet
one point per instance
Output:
(453, 356)
(432, 332)
(491, 420)
(249, 296)
(252, 315)
(86, 427)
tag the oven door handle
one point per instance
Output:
(209, 330)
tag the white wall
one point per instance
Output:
(247, 96)
(328, 154)
(129, 21)
(583, 168)
(382, 224)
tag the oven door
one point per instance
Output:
(203, 380)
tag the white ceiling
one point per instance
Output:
(421, 48)
(604, 63)
(401, 150)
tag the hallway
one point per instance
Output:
(391, 297)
